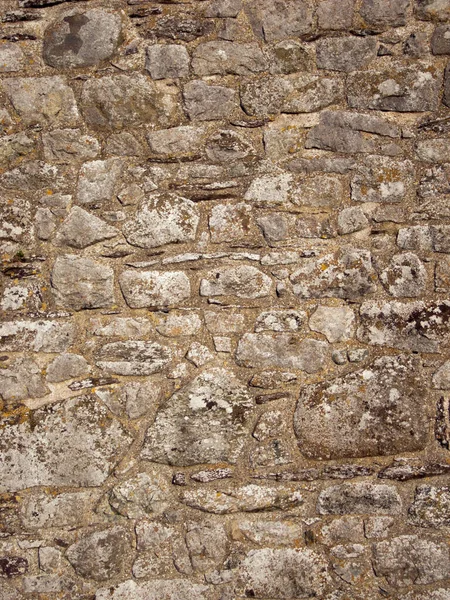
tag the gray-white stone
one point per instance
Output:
(336, 323)
(157, 589)
(23, 379)
(385, 13)
(97, 181)
(208, 102)
(431, 507)
(67, 366)
(345, 53)
(154, 288)
(81, 229)
(359, 498)
(133, 357)
(285, 19)
(168, 61)
(36, 336)
(221, 57)
(242, 282)
(405, 277)
(67, 145)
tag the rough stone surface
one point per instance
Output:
(359, 498)
(154, 288)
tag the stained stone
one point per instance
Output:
(82, 39)
(336, 323)
(359, 498)
(162, 219)
(347, 273)
(23, 379)
(100, 555)
(280, 320)
(167, 61)
(431, 507)
(11, 58)
(208, 102)
(223, 8)
(133, 357)
(208, 546)
(351, 219)
(82, 444)
(440, 42)
(446, 97)
(411, 560)
(97, 181)
(36, 336)
(284, 19)
(270, 189)
(335, 16)
(232, 223)
(242, 282)
(284, 573)
(140, 496)
(248, 498)
(81, 229)
(79, 283)
(262, 350)
(66, 509)
(67, 145)
(67, 366)
(382, 179)
(177, 143)
(380, 13)
(290, 56)
(345, 53)
(376, 410)
(434, 150)
(154, 288)
(217, 407)
(42, 100)
(157, 589)
(430, 10)
(221, 57)
(405, 277)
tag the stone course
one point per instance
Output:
(224, 299)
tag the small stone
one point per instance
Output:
(42, 100)
(67, 366)
(249, 498)
(442, 275)
(217, 406)
(282, 350)
(221, 57)
(13, 566)
(290, 56)
(207, 545)
(339, 357)
(162, 219)
(242, 282)
(359, 498)
(82, 39)
(97, 181)
(67, 145)
(45, 223)
(232, 223)
(81, 229)
(208, 102)
(416, 45)
(335, 16)
(382, 180)
(385, 13)
(178, 143)
(446, 97)
(11, 58)
(431, 507)
(345, 54)
(336, 323)
(351, 219)
(177, 324)
(434, 150)
(270, 189)
(430, 10)
(223, 344)
(357, 355)
(377, 527)
(79, 283)
(133, 357)
(417, 238)
(199, 355)
(402, 470)
(139, 398)
(123, 327)
(345, 530)
(124, 144)
(154, 288)
(167, 61)
(441, 379)
(406, 276)
(410, 560)
(440, 238)
(100, 555)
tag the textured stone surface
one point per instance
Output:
(359, 498)
(154, 288)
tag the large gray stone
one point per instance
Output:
(440, 42)
(167, 61)
(68, 145)
(385, 13)
(36, 336)
(97, 181)
(154, 288)
(157, 589)
(208, 102)
(374, 411)
(81, 229)
(71, 443)
(242, 282)
(405, 277)
(204, 422)
(275, 21)
(430, 10)
(345, 53)
(331, 15)
(21, 380)
(220, 57)
(82, 39)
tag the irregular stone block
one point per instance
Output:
(81, 229)
(133, 357)
(36, 336)
(262, 350)
(280, 320)
(345, 54)
(242, 282)
(440, 41)
(374, 411)
(337, 323)
(97, 180)
(431, 507)
(82, 39)
(154, 288)
(156, 589)
(161, 220)
(348, 273)
(208, 102)
(140, 496)
(385, 13)
(11, 58)
(331, 15)
(42, 100)
(359, 498)
(66, 509)
(23, 379)
(285, 19)
(67, 145)
(401, 89)
(178, 143)
(220, 57)
(382, 179)
(67, 366)
(79, 283)
(270, 189)
(82, 444)
(218, 407)
(223, 8)
(430, 10)
(351, 219)
(168, 61)
(405, 277)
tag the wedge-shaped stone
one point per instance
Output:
(154, 288)
(378, 410)
(81, 229)
(133, 357)
(204, 422)
(72, 443)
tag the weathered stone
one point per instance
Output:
(410, 560)
(67, 145)
(404, 470)
(242, 282)
(285, 19)
(140, 496)
(220, 57)
(157, 589)
(248, 498)
(11, 58)
(440, 238)
(227, 146)
(345, 53)
(36, 336)
(416, 326)
(290, 56)
(338, 139)
(345, 274)
(198, 354)
(212, 475)
(223, 8)
(404, 89)
(162, 219)
(100, 555)
(81, 229)
(97, 181)
(385, 13)
(417, 238)
(336, 323)
(382, 180)
(13, 566)
(124, 144)
(66, 509)
(82, 444)
(442, 275)
(207, 545)
(167, 61)
(217, 406)
(284, 573)
(265, 532)
(441, 379)
(359, 498)
(208, 102)
(440, 41)
(177, 324)
(335, 16)
(431, 507)
(446, 97)
(351, 219)
(178, 143)
(232, 223)
(430, 10)
(42, 101)
(280, 320)
(360, 122)
(405, 277)
(82, 39)
(374, 411)
(262, 350)
(114, 102)
(67, 366)
(133, 357)
(79, 283)
(22, 380)
(181, 27)
(154, 288)
(433, 150)
(271, 189)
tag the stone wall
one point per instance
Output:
(224, 344)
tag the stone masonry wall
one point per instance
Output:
(225, 331)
